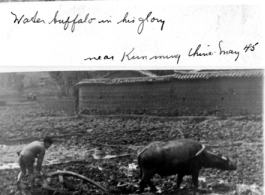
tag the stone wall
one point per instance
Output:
(197, 97)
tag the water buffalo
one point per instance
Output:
(182, 157)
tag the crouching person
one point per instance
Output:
(27, 157)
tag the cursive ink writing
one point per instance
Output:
(166, 57)
(77, 19)
(142, 21)
(128, 57)
(125, 20)
(74, 21)
(106, 57)
(250, 47)
(34, 19)
(197, 53)
(141, 26)
(227, 52)
(104, 21)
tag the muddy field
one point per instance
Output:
(103, 148)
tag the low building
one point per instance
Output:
(227, 92)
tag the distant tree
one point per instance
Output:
(9, 80)
(59, 78)
(67, 80)
(19, 86)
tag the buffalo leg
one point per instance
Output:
(146, 179)
(195, 176)
(179, 180)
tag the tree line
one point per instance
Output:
(67, 80)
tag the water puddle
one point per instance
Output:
(225, 188)
(9, 166)
(203, 179)
(54, 155)
(251, 189)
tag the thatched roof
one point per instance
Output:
(179, 75)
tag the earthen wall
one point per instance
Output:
(214, 96)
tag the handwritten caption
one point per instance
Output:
(87, 19)
(195, 52)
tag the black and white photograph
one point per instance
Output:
(129, 97)
(132, 132)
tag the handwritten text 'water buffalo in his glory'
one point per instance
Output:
(87, 19)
